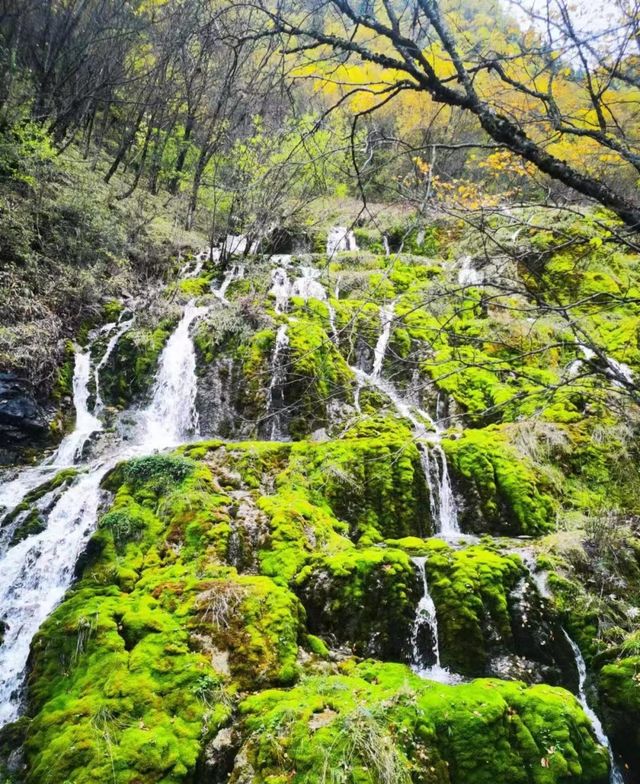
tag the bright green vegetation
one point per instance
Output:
(510, 494)
(132, 367)
(245, 608)
(151, 652)
(380, 724)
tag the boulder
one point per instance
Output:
(21, 417)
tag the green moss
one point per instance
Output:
(382, 724)
(471, 589)
(365, 598)
(130, 370)
(63, 386)
(502, 492)
(195, 287)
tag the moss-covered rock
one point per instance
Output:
(500, 493)
(619, 691)
(380, 723)
(492, 619)
(365, 598)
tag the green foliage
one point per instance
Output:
(381, 724)
(26, 153)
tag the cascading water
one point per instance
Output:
(380, 350)
(340, 239)
(37, 571)
(468, 275)
(275, 392)
(71, 446)
(235, 272)
(539, 578)
(69, 449)
(280, 289)
(120, 330)
(172, 412)
(35, 576)
(425, 647)
(615, 775)
(307, 286)
(614, 369)
(443, 506)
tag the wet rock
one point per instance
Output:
(538, 638)
(21, 418)
(223, 404)
(218, 758)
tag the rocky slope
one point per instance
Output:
(341, 516)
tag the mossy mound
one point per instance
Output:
(380, 723)
(491, 618)
(500, 492)
(365, 598)
(619, 691)
(132, 671)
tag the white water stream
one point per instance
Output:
(280, 289)
(37, 571)
(275, 392)
(428, 434)
(615, 775)
(425, 628)
(539, 578)
(86, 424)
(235, 272)
(172, 415)
(340, 239)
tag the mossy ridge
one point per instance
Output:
(380, 723)
(118, 666)
(501, 492)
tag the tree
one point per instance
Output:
(563, 98)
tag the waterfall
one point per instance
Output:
(307, 286)
(385, 245)
(172, 414)
(70, 448)
(386, 316)
(37, 571)
(468, 275)
(332, 323)
(275, 392)
(615, 775)
(280, 289)
(121, 329)
(35, 576)
(614, 368)
(540, 580)
(194, 266)
(425, 647)
(340, 239)
(433, 460)
(235, 272)
(332, 313)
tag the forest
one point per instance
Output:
(319, 392)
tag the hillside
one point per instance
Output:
(319, 392)
(397, 526)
